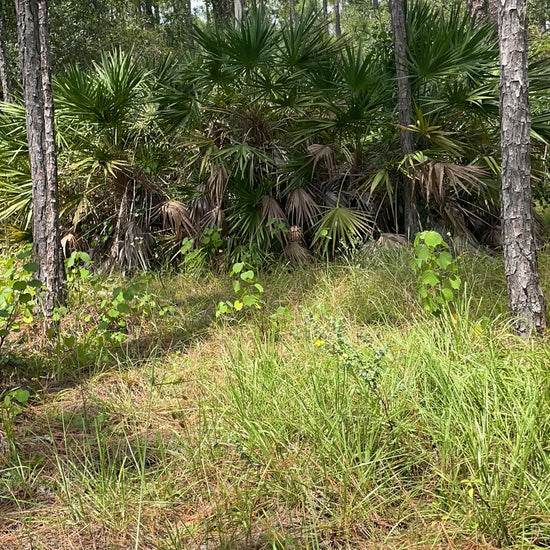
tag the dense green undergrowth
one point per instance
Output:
(340, 414)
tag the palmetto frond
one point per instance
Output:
(340, 226)
(441, 180)
(178, 218)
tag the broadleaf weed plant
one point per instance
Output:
(108, 323)
(18, 287)
(247, 289)
(436, 269)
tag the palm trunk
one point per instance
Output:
(527, 304)
(404, 110)
(122, 200)
(32, 36)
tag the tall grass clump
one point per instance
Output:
(428, 418)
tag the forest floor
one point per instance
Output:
(339, 415)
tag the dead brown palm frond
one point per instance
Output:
(213, 218)
(136, 248)
(177, 217)
(392, 240)
(301, 207)
(322, 153)
(217, 183)
(218, 132)
(454, 217)
(271, 209)
(296, 253)
(441, 179)
(71, 243)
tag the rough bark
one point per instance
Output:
(476, 8)
(404, 110)
(50, 145)
(526, 301)
(222, 11)
(189, 19)
(4, 65)
(483, 10)
(337, 26)
(41, 142)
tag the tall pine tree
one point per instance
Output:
(33, 37)
(527, 304)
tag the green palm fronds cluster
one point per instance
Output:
(269, 131)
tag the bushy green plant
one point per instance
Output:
(17, 290)
(438, 281)
(198, 253)
(109, 321)
(247, 289)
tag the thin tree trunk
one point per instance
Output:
(483, 10)
(404, 110)
(476, 8)
(293, 12)
(223, 11)
(4, 65)
(325, 14)
(337, 27)
(189, 19)
(493, 11)
(149, 14)
(238, 11)
(31, 15)
(375, 4)
(50, 140)
(527, 304)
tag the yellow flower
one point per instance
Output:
(319, 343)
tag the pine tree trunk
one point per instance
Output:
(54, 244)
(223, 11)
(483, 10)
(189, 21)
(476, 8)
(527, 304)
(4, 65)
(337, 27)
(31, 15)
(404, 110)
